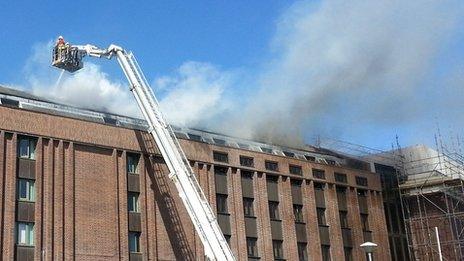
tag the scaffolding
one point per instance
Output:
(432, 196)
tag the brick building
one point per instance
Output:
(85, 185)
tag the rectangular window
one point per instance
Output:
(26, 147)
(296, 170)
(361, 181)
(219, 141)
(26, 190)
(343, 219)
(319, 173)
(325, 252)
(310, 158)
(25, 233)
(274, 210)
(266, 150)
(365, 222)
(252, 248)
(271, 165)
(133, 202)
(302, 252)
(289, 154)
(348, 253)
(321, 216)
(195, 137)
(340, 177)
(298, 213)
(246, 161)
(277, 249)
(220, 156)
(132, 163)
(248, 209)
(134, 242)
(221, 204)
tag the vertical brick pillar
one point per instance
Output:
(288, 220)
(202, 180)
(58, 201)
(264, 223)
(238, 229)
(2, 185)
(47, 195)
(336, 241)
(144, 244)
(312, 228)
(38, 227)
(69, 198)
(356, 226)
(151, 209)
(9, 197)
(122, 208)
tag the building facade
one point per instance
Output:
(82, 185)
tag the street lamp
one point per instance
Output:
(369, 248)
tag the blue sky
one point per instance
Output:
(284, 71)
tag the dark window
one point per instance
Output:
(274, 210)
(266, 150)
(194, 137)
(252, 248)
(26, 190)
(277, 249)
(26, 147)
(132, 163)
(133, 202)
(348, 253)
(221, 204)
(219, 141)
(319, 186)
(321, 216)
(248, 209)
(365, 222)
(325, 252)
(298, 213)
(294, 169)
(246, 161)
(319, 173)
(302, 252)
(271, 165)
(243, 146)
(134, 242)
(343, 219)
(310, 158)
(289, 154)
(330, 162)
(220, 156)
(362, 193)
(361, 181)
(340, 177)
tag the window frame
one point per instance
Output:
(302, 249)
(343, 217)
(136, 236)
(31, 147)
(278, 252)
(135, 204)
(247, 161)
(220, 156)
(318, 173)
(298, 214)
(321, 217)
(295, 169)
(252, 249)
(30, 186)
(271, 165)
(274, 210)
(29, 233)
(132, 158)
(248, 207)
(222, 208)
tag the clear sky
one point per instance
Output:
(359, 71)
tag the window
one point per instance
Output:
(194, 137)
(252, 248)
(271, 165)
(321, 216)
(274, 210)
(294, 169)
(220, 156)
(343, 219)
(302, 252)
(246, 161)
(319, 173)
(330, 162)
(362, 193)
(348, 253)
(132, 163)
(298, 213)
(219, 141)
(361, 181)
(27, 148)
(26, 190)
(325, 252)
(221, 204)
(289, 154)
(134, 242)
(133, 202)
(267, 150)
(340, 177)
(25, 233)
(277, 249)
(248, 207)
(365, 222)
(310, 158)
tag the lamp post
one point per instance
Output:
(369, 248)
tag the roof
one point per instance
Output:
(24, 100)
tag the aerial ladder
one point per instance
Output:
(69, 58)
